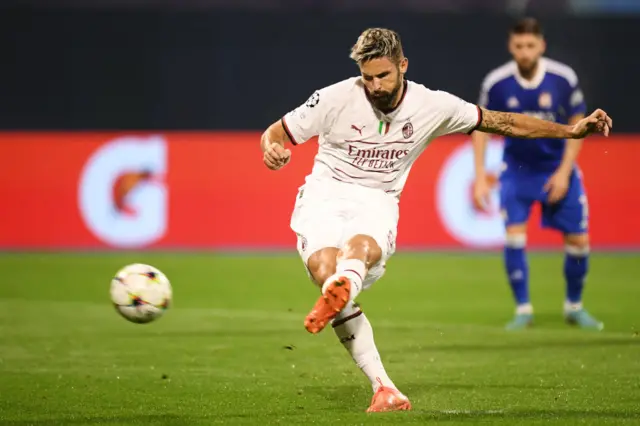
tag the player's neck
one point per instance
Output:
(529, 74)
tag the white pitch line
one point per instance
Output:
(472, 411)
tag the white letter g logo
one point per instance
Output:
(121, 196)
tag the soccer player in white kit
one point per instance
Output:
(370, 131)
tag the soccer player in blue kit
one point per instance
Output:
(538, 170)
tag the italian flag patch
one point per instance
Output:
(383, 128)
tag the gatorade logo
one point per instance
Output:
(121, 195)
(454, 194)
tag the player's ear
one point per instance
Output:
(543, 45)
(404, 64)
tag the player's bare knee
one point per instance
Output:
(361, 247)
(579, 242)
(517, 229)
(322, 264)
(516, 236)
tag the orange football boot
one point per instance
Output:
(334, 299)
(388, 399)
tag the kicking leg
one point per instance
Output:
(517, 268)
(353, 328)
(576, 266)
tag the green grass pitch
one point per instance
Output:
(232, 349)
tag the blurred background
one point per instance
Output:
(131, 128)
(136, 123)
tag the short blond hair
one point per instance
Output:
(377, 43)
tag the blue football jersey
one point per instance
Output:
(553, 94)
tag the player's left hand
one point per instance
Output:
(597, 122)
(557, 186)
(481, 194)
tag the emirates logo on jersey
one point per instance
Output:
(407, 130)
(376, 158)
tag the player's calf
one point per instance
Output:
(517, 268)
(354, 331)
(576, 266)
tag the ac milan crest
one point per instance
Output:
(407, 130)
(391, 241)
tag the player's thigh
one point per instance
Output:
(322, 264)
(515, 205)
(318, 224)
(571, 215)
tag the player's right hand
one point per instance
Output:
(275, 156)
(481, 194)
(597, 122)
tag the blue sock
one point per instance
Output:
(576, 265)
(515, 261)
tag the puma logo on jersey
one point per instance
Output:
(359, 130)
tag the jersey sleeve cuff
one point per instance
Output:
(475, 127)
(287, 131)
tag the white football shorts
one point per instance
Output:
(329, 213)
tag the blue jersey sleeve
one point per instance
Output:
(489, 98)
(574, 99)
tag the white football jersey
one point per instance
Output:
(360, 145)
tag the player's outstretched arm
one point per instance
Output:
(526, 127)
(274, 154)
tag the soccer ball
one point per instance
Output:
(140, 293)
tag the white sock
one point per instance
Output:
(355, 270)
(355, 333)
(525, 308)
(572, 307)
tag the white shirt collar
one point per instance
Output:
(537, 78)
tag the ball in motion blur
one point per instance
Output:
(141, 293)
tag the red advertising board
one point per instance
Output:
(211, 191)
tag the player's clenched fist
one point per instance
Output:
(275, 156)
